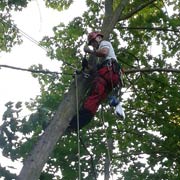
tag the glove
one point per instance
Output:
(88, 50)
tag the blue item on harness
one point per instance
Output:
(113, 101)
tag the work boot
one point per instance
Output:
(85, 117)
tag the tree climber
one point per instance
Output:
(107, 78)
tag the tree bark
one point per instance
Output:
(110, 20)
(34, 163)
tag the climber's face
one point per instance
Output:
(95, 42)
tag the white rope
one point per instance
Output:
(78, 134)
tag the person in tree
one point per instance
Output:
(107, 78)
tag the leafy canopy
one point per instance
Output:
(143, 146)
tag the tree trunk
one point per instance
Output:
(34, 163)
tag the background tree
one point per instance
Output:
(146, 144)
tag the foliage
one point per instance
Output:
(146, 144)
(6, 173)
(8, 31)
(59, 4)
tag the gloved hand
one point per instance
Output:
(88, 50)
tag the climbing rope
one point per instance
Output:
(78, 130)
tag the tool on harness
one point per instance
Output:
(119, 111)
(113, 101)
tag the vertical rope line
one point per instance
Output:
(108, 150)
(78, 134)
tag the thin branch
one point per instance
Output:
(139, 8)
(151, 29)
(29, 70)
(151, 70)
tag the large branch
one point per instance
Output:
(108, 7)
(111, 20)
